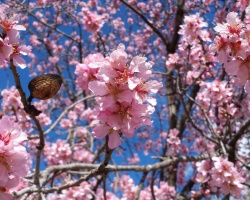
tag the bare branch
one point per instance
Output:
(44, 176)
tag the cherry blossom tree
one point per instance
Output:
(126, 99)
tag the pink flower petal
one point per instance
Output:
(247, 87)
(101, 131)
(98, 88)
(14, 36)
(232, 67)
(18, 61)
(114, 140)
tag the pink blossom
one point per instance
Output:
(192, 25)
(72, 115)
(126, 117)
(134, 160)
(11, 97)
(66, 123)
(240, 68)
(89, 115)
(5, 196)
(110, 92)
(131, 2)
(142, 68)
(5, 51)
(225, 175)
(232, 46)
(216, 92)
(247, 86)
(34, 40)
(8, 24)
(115, 66)
(17, 52)
(53, 59)
(92, 21)
(114, 140)
(82, 155)
(242, 4)
(81, 132)
(130, 20)
(172, 60)
(232, 27)
(58, 153)
(13, 36)
(87, 70)
(102, 130)
(200, 145)
(44, 119)
(109, 195)
(13, 154)
(122, 89)
(220, 173)
(191, 76)
(126, 185)
(83, 191)
(164, 191)
(221, 46)
(202, 178)
(204, 166)
(173, 141)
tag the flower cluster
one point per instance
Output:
(192, 51)
(13, 156)
(213, 94)
(192, 27)
(129, 189)
(85, 72)
(122, 90)
(83, 191)
(232, 47)
(10, 47)
(220, 173)
(173, 141)
(92, 21)
(11, 98)
(12, 105)
(58, 153)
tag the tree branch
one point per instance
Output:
(44, 176)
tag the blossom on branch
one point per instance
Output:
(10, 47)
(87, 70)
(220, 173)
(5, 51)
(123, 92)
(91, 20)
(13, 155)
(232, 47)
(10, 24)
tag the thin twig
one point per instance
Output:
(137, 195)
(104, 187)
(152, 186)
(190, 118)
(146, 21)
(65, 112)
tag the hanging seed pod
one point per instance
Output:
(44, 87)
